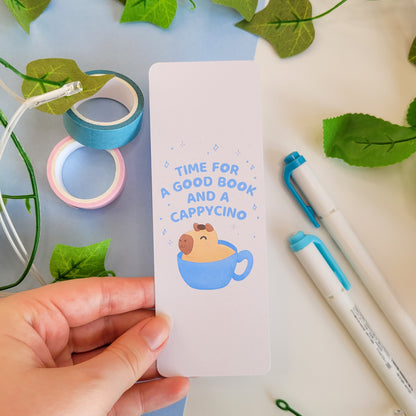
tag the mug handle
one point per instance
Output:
(244, 255)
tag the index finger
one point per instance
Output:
(85, 300)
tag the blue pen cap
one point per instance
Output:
(300, 240)
(294, 157)
(293, 161)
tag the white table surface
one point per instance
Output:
(357, 63)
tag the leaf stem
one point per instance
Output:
(328, 11)
(7, 196)
(308, 19)
(391, 143)
(35, 196)
(41, 81)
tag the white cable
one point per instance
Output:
(13, 94)
(9, 237)
(22, 255)
(7, 225)
(17, 245)
(34, 271)
(10, 127)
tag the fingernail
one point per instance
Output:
(156, 332)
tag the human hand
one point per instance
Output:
(77, 348)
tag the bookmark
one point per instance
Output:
(209, 217)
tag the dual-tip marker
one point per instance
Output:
(334, 287)
(317, 204)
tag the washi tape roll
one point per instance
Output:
(56, 161)
(111, 134)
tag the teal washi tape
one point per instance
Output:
(111, 134)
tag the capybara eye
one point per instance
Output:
(204, 237)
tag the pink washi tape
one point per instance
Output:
(56, 162)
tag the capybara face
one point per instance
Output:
(201, 245)
(199, 239)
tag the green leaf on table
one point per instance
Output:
(158, 12)
(412, 52)
(411, 113)
(286, 24)
(364, 140)
(26, 11)
(246, 8)
(63, 71)
(78, 262)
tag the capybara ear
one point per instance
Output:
(186, 243)
(209, 227)
(199, 227)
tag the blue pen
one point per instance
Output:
(334, 287)
(317, 204)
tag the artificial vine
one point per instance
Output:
(42, 76)
(41, 81)
(33, 196)
(286, 24)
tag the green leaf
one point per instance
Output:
(364, 140)
(286, 24)
(26, 11)
(158, 12)
(28, 206)
(63, 71)
(78, 262)
(246, 8)
(412, 52)
(411, 113)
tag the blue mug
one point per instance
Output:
(215, 274)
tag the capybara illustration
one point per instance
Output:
(201, 245)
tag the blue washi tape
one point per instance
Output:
(112, 134)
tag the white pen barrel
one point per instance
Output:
(372, 278)
(316, 195)
(357, 255)
(375, 352)
(319, 271)
(355, 323)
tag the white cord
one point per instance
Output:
(13, 237)
(13, 94)
(22, 254)
(10, 127)
(5, 220)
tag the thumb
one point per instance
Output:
(122, 363)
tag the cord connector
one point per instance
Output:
(67, 90)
